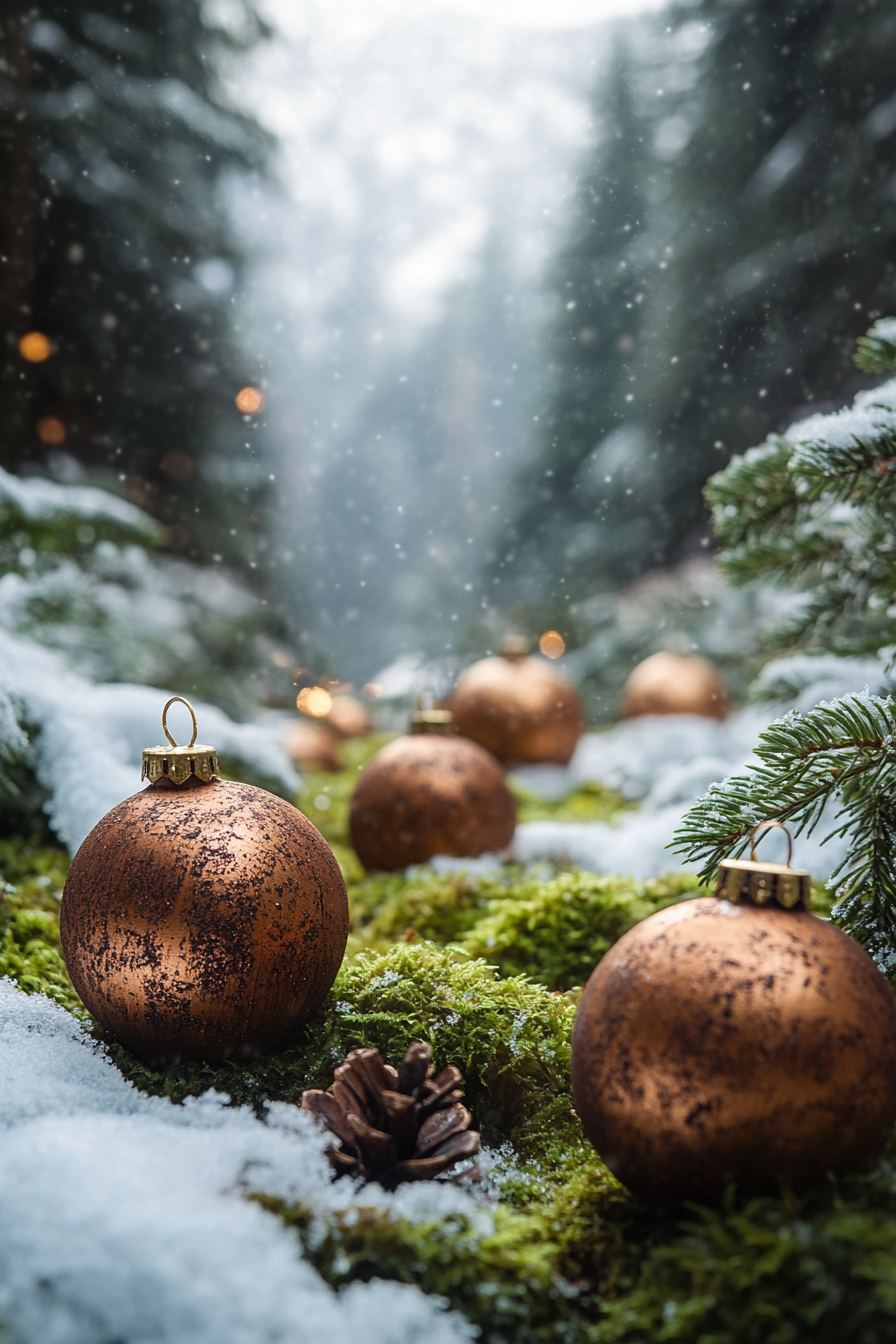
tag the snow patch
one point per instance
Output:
(668, 761)
(124, 1216)
(37, 498)
(871, 416)
(89, 747)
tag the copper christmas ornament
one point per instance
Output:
(675, 683)
(735, 1039)
(394, 1125)
(521, 709)
(348, 717)
(430, 793)
(311, 745)
(202, 919)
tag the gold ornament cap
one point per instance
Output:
(428, 718)
(758, 883)
(179, 763)
(515, 648)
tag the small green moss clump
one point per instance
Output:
(498, 1269)
(557, 931)
(772, 1271)
(589, 802)
(32, 876)
(554, 929)
(420, 904)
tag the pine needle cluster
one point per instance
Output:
(813, 509)
(837, 762)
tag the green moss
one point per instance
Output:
(509, 1038)
(498, 1270)
(31, 881)
(553, 929)
(820, 1269)
(590, 802)
(590, 1263)
(389, 907)
(557, 931)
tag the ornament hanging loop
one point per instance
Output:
(758, 882)
(764, 826)
(176, 763)
(179, 699)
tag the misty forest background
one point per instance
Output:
(511, 297)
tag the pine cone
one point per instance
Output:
(394, 1126)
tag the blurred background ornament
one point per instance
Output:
(311, 746)
(430, 793)
(328, 718)
(675, 683)
(202, 918)
(394, 1125)
(735, 1039)
(520, 708)
(348, 717)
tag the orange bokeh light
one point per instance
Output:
(314, 700)
(50, 430)
(372, 691)
(249, 400)
(552, 644)
(35, 347)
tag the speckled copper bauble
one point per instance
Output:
(348, 717)
(312, 746)
(203, 920)
(521, 709)
(430, 794)
(722, 1042)
(675, 683)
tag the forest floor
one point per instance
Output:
(488, 968)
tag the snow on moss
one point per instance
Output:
(124, 1216)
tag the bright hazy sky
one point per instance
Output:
(544, 13)
(527, 13)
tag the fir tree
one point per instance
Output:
(114, 245)
(574, 493)
(784, 227)
(814, 509)
(767, 222)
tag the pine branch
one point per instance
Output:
(754, 491)
(813, 510)
(877, 350)
(839, 753)
(849, 455)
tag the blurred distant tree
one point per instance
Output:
(115, 148)
(575, 487)
(769, 240)
(785, 227)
